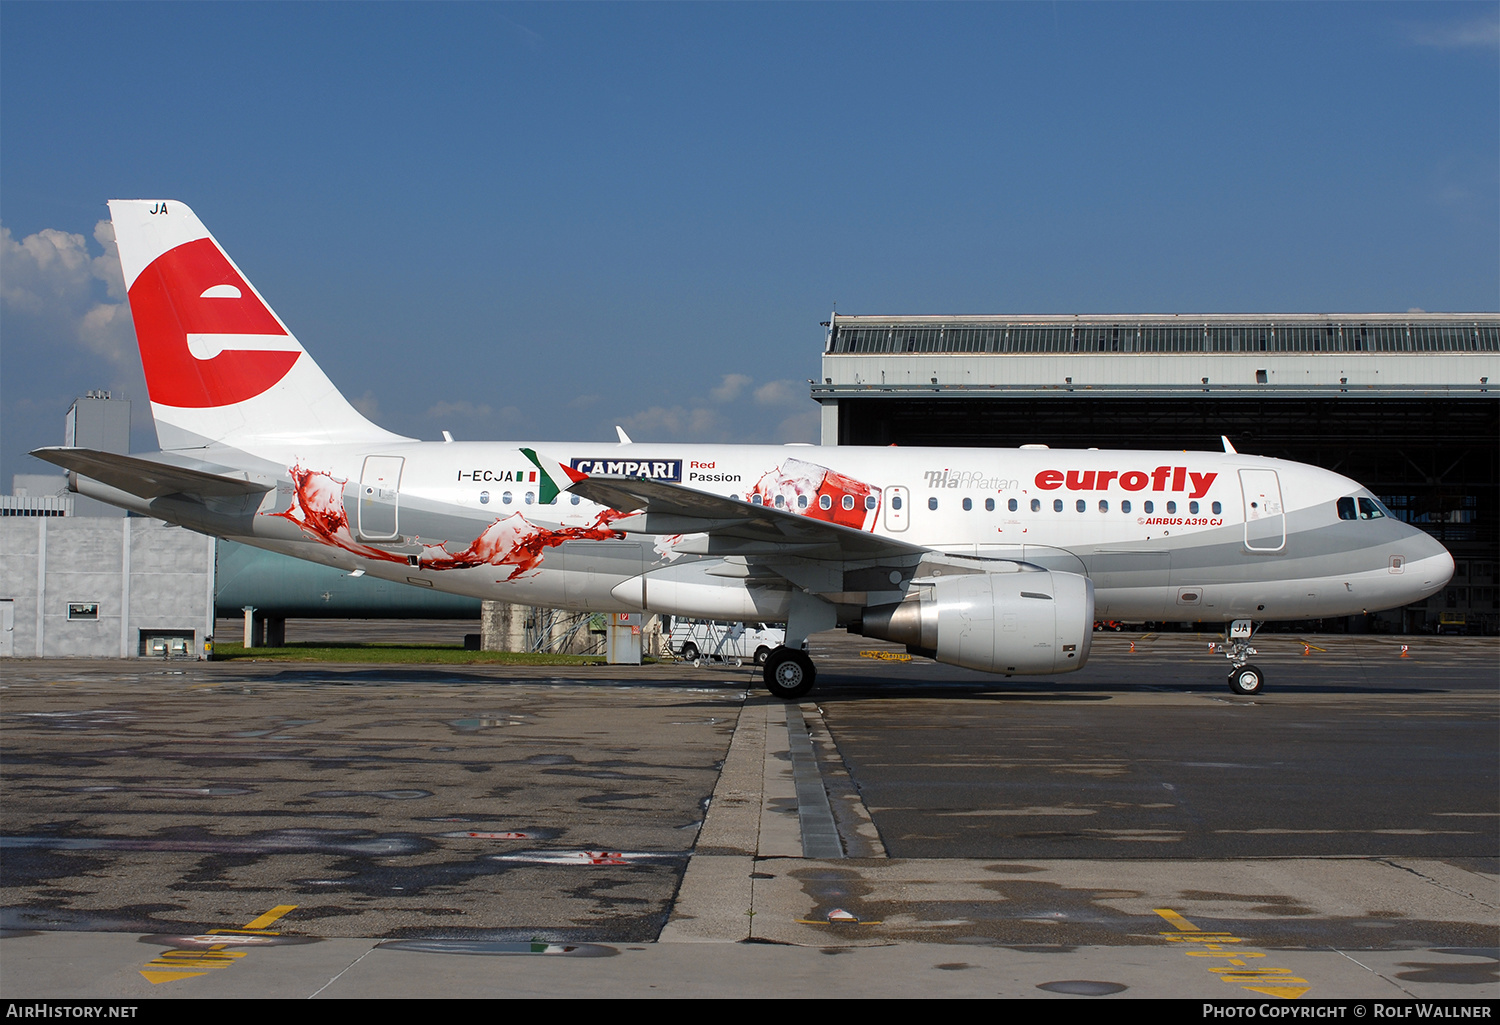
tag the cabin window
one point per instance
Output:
(575, 499)
(895, 502)
(1057, 505)
(848, 502)
(1171, 508)
(1193, 508)
(869, 502)
(968, 505)
(1125, 505)
(989, 505)
(1082, 505)
(932, 503)
(801, 501)
(1036, 505)
(1217, 508)
(825, 502)
(484, 498)
(506, 498)
(780, 501)
(1103, 505)
(1011, 505)
(1150, 507)
(530, 497)
(757, 500)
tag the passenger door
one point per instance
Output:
(379, 496)
(1265, 516)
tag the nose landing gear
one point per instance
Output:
(1244, 678)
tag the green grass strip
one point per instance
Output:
(437, 654)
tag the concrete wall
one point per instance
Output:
(143, 575)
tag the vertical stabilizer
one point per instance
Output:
(221, 367)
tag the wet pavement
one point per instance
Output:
(382, 802)
(1116, 831)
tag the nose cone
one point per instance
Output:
(1429, 566)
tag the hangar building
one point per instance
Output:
(1403, 403)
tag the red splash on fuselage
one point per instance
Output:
(514, 541)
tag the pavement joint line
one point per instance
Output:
(1393, 863)
(346, 969)
(820, 836)
(1379, 975)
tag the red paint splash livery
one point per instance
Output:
(799, 477)
(1158, 479)
(512, 541)
(167, 304)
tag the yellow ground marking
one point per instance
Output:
(1276, 982)
(172, 965)
(1313, 646)
(270, 916)
(1177, 920)
(888, 656)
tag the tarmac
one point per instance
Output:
(117, 886)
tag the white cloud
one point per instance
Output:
(806, 426)
(49, 282)
(367, 404)
(43, 270)
(1480, 32)
(107, 267)
(777, 393)
(462, 409)
(731, 387)
(675, 423)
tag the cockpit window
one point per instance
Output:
(1357, 508)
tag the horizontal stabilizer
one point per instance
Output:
(146, 478)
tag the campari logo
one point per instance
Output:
(650, 469)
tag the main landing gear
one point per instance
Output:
(1244, 678)
(789, 673)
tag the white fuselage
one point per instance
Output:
(1163, 535)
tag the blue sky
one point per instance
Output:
(538, 221)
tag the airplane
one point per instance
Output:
(992, 559)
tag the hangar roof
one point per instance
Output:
(1167, 333)
(1266, 354)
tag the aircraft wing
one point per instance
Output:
(734, 527)
(146, 478)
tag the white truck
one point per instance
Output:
(694, 639)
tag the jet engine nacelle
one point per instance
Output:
(1028, 620)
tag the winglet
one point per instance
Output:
(555, 478)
